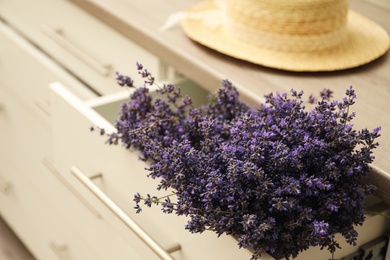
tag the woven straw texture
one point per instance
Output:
(362, 42)
(281, 17)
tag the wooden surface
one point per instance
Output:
(10, 246)
(140, 21)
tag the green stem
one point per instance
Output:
(166, 196)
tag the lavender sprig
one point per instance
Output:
(278, 177)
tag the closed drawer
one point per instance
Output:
(122, 176)
(25, 71)
(85, 46)
(23, 137)
(36, 224)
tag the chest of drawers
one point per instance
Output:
(66, 193)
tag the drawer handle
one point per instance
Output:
(153, 245)
(58, 37)
(60, 250)
(43, 105)
(5, 187)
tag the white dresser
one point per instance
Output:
(65, 193)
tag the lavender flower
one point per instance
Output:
(276, 176)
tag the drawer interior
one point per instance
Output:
(108, 106)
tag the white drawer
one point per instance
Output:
(37, 225)
(25, 72)
(85, 46)
(23, 138)
(122, 176)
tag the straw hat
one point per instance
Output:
(294, 35)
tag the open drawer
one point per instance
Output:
(118, 174)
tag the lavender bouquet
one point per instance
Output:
(276, 176)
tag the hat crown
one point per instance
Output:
(290, 16)
(307, 22)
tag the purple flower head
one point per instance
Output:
(326, 94)
(123, 80)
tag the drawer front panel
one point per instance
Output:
(25, 72)
(40, 228)
(87, 219)
(126, 243)
(85, 46)
(23, 138)
(122, 176)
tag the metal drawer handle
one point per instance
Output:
(5, 187)
(58, 37)
(153, 245)
(60, 250)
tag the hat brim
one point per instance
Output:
(365, 42)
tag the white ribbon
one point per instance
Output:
(212, 19)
